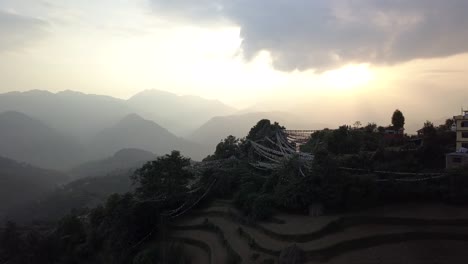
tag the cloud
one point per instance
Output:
(200, 11)
(321, 34)
(17, 30)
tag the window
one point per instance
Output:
(456, 159)
(464, 134)
(464, 124)
(465, 145)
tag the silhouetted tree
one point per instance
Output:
(165, 177)
(370, 127)
(398, 120)
(357, 125)
(448, 124)
(429, 130)
(227, 148)
(264, 128)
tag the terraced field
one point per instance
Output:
(431, 233)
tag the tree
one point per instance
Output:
(448, 124)
(292, 191)
(357, 125)
(72, 234)
(264, 128)
(370, 128)
(165, 177)
(227, 148)
(429, 130)
(398, 120)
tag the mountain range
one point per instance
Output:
(179, 114)
(77, 114)
(122, 160)
(62, 130)
(29, 140)
(217, 128)
(134, 131)
(85, 115)
(28, 193)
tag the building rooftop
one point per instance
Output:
(464, 114)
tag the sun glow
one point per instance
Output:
(348, 77)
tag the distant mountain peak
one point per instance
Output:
(126, 152)
(145, 94)
(132, 118)
(134, 131)
(35, 92)
(70, 92)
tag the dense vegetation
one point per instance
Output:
(132, 227)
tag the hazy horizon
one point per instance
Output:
(337, 61)
(307, 64)
(233, 131)
(364, 113)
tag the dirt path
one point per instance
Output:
(297, 224)
(240, 245)
(294, 224)
(414, 252)
(418, 210)
(371, 230)
(235, 240)
(218, 252)
(351, 233)
(196, 254)
(230, 231)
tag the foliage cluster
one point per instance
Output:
(112, 233)
(125, 228)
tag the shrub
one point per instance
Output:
(262, 207)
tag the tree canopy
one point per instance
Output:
(164, 177)
(398, 120)
(230, 146)
(264, 128)
(132, 227)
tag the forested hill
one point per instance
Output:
(30, 140)
(84, 115)
(21, 183)
(122, 160)
(133, 131)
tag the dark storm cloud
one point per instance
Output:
(17, 30)
(303, 34)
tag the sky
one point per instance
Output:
(337, 60)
